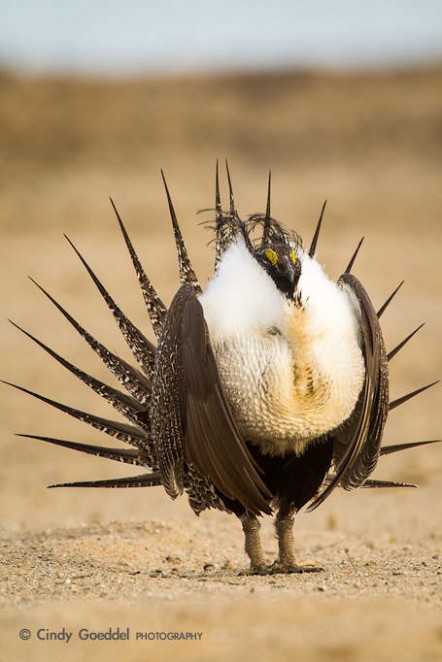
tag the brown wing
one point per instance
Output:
(192, 422)
(356, 447)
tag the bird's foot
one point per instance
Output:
(261, 569)
(281, 567)
(290, 567)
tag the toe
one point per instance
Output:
(295, 568)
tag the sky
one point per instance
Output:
(136, 36)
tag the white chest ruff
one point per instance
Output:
(290, 373)
(276, 404)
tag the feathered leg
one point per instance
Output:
(286, 562)
(251, 526)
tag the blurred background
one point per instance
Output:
(342, 100)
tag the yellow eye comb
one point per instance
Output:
(271, 256)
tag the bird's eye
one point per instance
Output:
(293, 256)
(271, 256)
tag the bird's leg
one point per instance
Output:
(284, 528)
(251, 526)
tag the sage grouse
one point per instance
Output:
(266, 391)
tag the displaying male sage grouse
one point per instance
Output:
(266, 391)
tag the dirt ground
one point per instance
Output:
(94, 560)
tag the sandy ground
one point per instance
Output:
(132, 558)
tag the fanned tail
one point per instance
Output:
(139, 345)
(124, 404)
(134, 406)
(130, 434)
(129, 377)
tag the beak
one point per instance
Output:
(286, 269)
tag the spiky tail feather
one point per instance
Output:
(187, 274)
(143, 480)
(370, 483)
(353, 257)
(155, 307)
(386, 303)
(140, 346)
(313, 245)
(126, 455)
(124, 404)
(400, 401)
(129, 377)
(395, 448)
(127, 433)
(403, 342)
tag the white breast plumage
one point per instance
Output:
(290, 372)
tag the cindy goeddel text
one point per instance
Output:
(109, 634)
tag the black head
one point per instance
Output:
(282, 263)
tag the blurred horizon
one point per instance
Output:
(141, 38)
